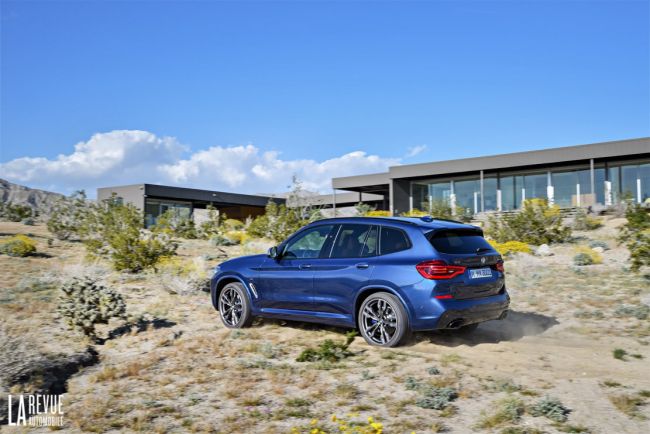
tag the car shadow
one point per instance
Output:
(139, 325)
(514, 327)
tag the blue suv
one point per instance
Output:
(385, 276)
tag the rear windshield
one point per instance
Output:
(458, 241)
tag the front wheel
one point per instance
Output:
(234, 306)
(383, 320)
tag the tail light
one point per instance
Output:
(438, 270)
(499, 266)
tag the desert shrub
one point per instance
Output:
(584, 222)
(18, 246)
(280, 221)
(67, 217)
(582, 259)
(86, 303)
(619, 353)
(436, 398)
(536, 223)
(233, 224)
(114, 231)
(507, 410)
(15, 213)
(328, 350)
(213, 225)
(597, 243)
(362, 209)
(182, 277)
(236, 237)
(174, 223)
(635, 234)
(29, 221)
(641, 311)
(551, 408)
(586, 256)
(433, 371)
(510, 247)
(441, 209)
(378, 213)
(219, 240)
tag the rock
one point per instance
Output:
(544, 250)
(598, 249)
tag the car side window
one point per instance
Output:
(308, 244)
(393, 240)
(355, 241)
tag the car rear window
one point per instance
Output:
(458, 241)
(393, 240)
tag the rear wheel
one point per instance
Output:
(383, 320)
(234, 306)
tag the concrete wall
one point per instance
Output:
(129, 193)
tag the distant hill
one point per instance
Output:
(15, 194)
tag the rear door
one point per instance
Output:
(348, 268)
(468, 248)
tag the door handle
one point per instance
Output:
(362, 265)
(304, 266)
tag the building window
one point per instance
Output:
(468, 195)
(155, 208)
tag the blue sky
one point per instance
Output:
(309, 82)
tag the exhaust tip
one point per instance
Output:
(457, 323)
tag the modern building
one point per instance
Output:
(156, 199)
(573, 176)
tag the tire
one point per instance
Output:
(234, 306)
(384, 334)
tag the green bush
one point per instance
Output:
(280, 221)
(15, 213)
(328, 350)
(436, 398)
(18, 246)
(173, 223)
(440, 209)
(219, 241)
(86, 303)
(584, 222)
(641, 311)
(551, 408)
(635, 234)
(597, 243)
(536, 223)
(29, 221)
(114, 231)
(67, 218)
(582, 259)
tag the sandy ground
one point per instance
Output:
(182, 371)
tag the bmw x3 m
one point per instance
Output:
(386, 277)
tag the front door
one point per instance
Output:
(287, 282)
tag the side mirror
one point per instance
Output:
(273, 252)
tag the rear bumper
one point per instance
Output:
(484, 312)
(455, 313)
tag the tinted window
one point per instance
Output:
(458, 242)
(393, 240)
(309, 243)
(355, 241)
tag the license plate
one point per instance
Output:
(480, 273)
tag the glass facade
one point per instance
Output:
(571, 187)
(154, 208)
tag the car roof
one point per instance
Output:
(425, 222)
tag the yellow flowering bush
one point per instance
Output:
(237, 237)
(586, 252)
(377, 213)
(19, 245)
(510, 247)
(345, 425)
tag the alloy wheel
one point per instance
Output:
(230, 306)
(379, 321)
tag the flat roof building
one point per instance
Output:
(154, 200)
(573, 176)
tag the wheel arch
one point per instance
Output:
(370, 290)
(222, 282)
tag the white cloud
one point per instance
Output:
(415, 150)
(128, 157)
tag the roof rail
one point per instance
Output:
(429, 219)
(366, 218)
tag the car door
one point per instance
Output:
(287, 282)
(348, 268)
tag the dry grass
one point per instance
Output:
(193, 375)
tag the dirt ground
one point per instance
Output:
(180, 370)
